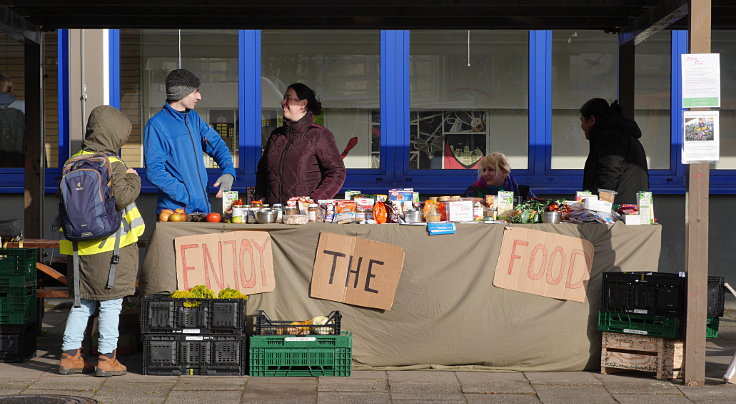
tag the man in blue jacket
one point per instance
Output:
(175, 140)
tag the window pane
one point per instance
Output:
(652, 97)
(51, 99)
(469, 97)
(147, 56)
(584, 66)
(342, 67)
(12, 96)
(724, 42)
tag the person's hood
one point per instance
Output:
(108, 130)
(618, 123)
(6, 98)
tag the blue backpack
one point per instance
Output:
(87, 209)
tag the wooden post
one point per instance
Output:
(34, 160)
(696, 222)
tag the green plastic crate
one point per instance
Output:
(711, 328)
(313, 355)
(19, 261)
(18, 305)
(641, 324)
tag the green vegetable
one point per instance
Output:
(229, 293)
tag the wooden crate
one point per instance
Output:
(661, 356)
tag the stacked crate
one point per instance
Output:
(291, 348)
(650, 307)
(188, 336)
(19, 312)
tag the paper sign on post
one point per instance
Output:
(544, 264)
(240, 260)
(356, 271)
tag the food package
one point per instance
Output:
(646, 207)
(228, 198)
(505, 203)
(296, 219)
(606, 195)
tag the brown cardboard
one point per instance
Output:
(545, 264)
(240, 260)
(375, 271)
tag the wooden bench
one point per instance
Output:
(620, 352)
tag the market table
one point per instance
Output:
(446, 311)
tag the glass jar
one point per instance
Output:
(291, 210)
(313, 212)
(279, 208)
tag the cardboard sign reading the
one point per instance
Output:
(356, 271)
(240, 260)
(544, 264)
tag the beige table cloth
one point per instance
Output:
(446, 311)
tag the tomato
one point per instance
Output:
(214, 217)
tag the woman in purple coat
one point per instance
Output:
(301, 157)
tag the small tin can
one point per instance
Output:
(280, 212)
(240, 212)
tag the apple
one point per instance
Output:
(164, 215)
(214, 217)
(177, 217)
(167, 211)
(237, 219)
(180, 210)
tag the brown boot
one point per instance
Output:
(109, 366)
(71, 364)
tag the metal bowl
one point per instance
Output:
(551, 217)
(266, 216)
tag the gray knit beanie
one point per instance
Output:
(180, 83)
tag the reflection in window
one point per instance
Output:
(724, 42)
(147, 56)
(469, 97)
(652, 97)
(584, 66)
(342, 67)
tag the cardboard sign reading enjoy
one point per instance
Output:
(240, 260)
(356, 271)
(544, 264)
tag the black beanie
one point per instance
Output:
(180, 83)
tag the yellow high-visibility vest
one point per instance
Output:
(131, 223)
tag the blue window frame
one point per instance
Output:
(394, 170)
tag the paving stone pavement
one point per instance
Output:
(38, 377)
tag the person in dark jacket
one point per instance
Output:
(616, 160)
(301, 157)
(108, 130)
(494, 174)
(175, 140)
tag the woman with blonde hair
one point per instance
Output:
(494, 174)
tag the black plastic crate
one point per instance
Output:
(266, 326)
(716, 296)
(165, 314)
(652, 293)
(174, 355)
(18, 342)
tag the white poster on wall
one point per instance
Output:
(701, 80)
(701, 140)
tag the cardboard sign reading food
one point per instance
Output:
(544, 264)
(240, 260)
(356, 271)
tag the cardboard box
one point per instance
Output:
(597, 205)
